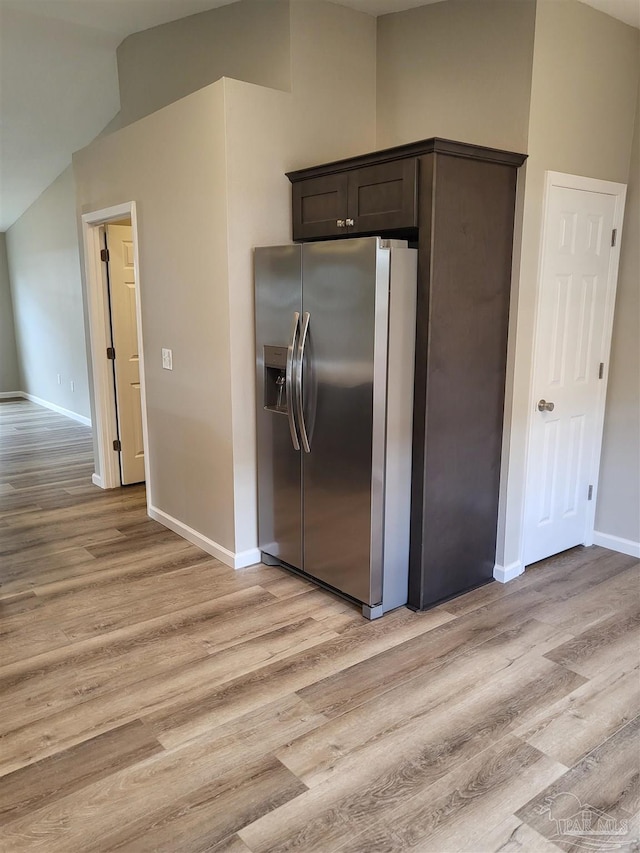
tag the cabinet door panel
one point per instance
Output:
(383, 197)
(318, 205)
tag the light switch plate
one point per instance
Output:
(167, 358)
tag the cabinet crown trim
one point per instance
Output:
(412, 149)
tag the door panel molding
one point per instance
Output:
(107, 474)
(617, 191)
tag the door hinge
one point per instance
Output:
(117, 444)
(104, 255)
(111, 353)
(601, 370)
(614, 236)
(590, 493)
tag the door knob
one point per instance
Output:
(340, 223)
(543, 406)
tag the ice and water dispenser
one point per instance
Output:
(275, 379)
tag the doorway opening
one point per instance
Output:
(124, 349)
(115, 334)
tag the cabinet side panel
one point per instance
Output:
(472, 235)
(426, 189)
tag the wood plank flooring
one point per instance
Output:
(154, 700)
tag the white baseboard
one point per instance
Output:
(247, 558)
(504, 574)
(8, 395)
(229, 558)
(617, 543)
(98, 481)
(55, 408)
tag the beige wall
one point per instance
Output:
(582, 112)
(581, 122)
(458, 70)
(207, 174)
(269, 133)
(213, 190)
(46, 287)
(259, 139)
(247, 40)
(9, 377)
(9, 374)
(179, 188)
(333, 62)
(618, 510)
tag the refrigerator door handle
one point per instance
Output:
(299, 404)
(289, 380)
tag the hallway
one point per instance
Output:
(153, 699)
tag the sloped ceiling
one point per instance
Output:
(59, 83)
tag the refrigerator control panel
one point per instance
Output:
(275, 357)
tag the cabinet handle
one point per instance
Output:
(350, 222)
(340, 223)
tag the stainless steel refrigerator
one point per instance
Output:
(335, 335)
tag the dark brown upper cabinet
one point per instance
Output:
(456, 203)
(320, 207)
(377, 198)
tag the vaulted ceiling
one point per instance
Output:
(59, 84)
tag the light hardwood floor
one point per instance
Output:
(155, 700)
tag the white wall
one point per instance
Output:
(173, 165)
(9, 377)
(459, 70)
(618, 509)
(44, 269)
(581, 122)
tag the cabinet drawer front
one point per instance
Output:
(383, 197)
(318, 205)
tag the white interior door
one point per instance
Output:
(124, 328)
(572, 333)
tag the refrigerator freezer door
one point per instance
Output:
(278, 299)
(345, 294)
